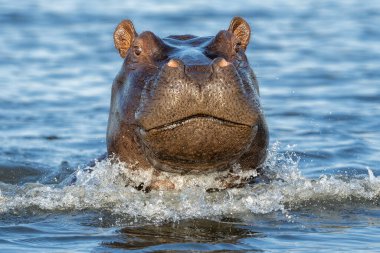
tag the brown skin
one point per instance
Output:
(186, 104)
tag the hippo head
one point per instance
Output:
(185, 103)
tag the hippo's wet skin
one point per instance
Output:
(186, 104)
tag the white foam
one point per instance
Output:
(110, 187)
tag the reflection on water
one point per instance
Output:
(182, 232)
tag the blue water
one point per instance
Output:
(318, 65)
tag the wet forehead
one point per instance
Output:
(188, 48)
(186, 40)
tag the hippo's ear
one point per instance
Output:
(240, 28)
(123, 37)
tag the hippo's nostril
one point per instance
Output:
(173, 63)
(221, 62)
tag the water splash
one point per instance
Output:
(108, 188)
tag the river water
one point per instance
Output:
(318, 65)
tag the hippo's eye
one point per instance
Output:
(237, 47)
(137, 50)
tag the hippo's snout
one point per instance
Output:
(181, 91)
(196, 114)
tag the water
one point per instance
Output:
(317, 62)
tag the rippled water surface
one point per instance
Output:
(318, 65)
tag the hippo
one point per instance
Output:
(185, 104)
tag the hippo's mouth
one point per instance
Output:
(189, 119)
(196, 143)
